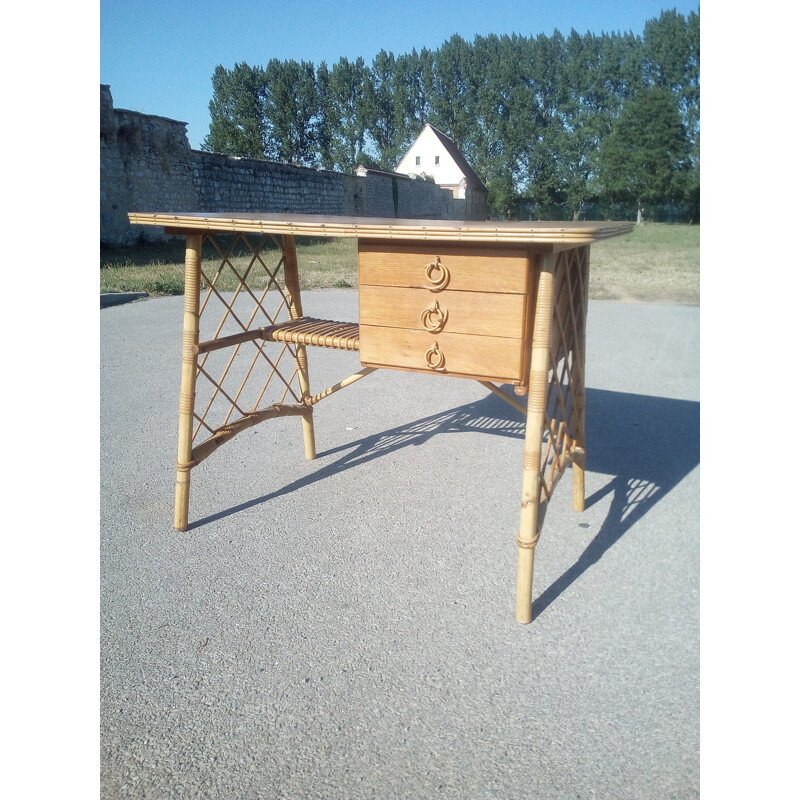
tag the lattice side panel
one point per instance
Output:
(564, 421)
(244, 289)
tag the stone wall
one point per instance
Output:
(224, 183)
(146, 164)
(388, 194)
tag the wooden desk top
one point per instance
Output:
(535, 233)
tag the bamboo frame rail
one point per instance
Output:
(553, 233)
(234, 379)
(500, 393)
(356, 376)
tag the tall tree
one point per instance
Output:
(384, 109)
(326, 120)
(646, 156)
(586, 110)
(621, 67)
(346, 89)
(594, 89)
(672, 61)
(544, 73)
(692, 94)
(691, 86)
(453, 97)
(238, 125)
(667, 50)
(412, 76)
(502, 118)
(291, 109)
(416, 72)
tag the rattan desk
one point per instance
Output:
(501, 303)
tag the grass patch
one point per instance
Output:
(656, 263)
(157, 268)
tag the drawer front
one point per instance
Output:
(450, 267)
(485, 357)
(476, 313)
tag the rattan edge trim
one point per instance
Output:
(341, 228)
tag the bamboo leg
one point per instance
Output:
(292, 280)
(578, 479)
(579, 394)
(191, 330)
(534, 430)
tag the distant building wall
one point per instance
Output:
(435, 156)
(146, 164)
(427, 156)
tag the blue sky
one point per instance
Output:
(158, 57)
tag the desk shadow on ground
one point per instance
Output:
(647, 444)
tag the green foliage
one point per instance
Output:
(453, 90)
(347, 111)
(414, 76)
(382, 101)
(292, 108)
(645, 157)
(238, 121)
(327, 118)
(553, 119)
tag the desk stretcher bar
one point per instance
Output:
(495, 302)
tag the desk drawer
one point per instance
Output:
(477, 313)
(450, 267)
(460, 354)
(449, 308)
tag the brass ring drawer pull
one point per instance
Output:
(433, 318)
(441, 279)
(434, 357)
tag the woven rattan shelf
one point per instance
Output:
(491, 301)
(315, 333)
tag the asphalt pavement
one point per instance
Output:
(344, 627)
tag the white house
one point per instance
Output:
(434, 155)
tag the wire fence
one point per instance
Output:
(670, 213)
